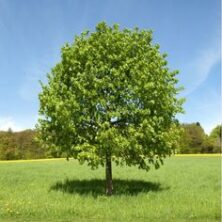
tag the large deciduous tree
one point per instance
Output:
(111, 98)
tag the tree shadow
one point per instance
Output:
(96, 187)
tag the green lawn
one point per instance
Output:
(184, 189)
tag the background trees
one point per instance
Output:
(212, 143)
(194, 139)
(20, 145)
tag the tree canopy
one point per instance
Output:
(215, 139)
(194, 139)
(112, 96)
(20, 145)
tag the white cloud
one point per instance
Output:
(197, 71)
(18, 124)
(8, 122)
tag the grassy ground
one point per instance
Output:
(186, 188)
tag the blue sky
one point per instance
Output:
(32, 33)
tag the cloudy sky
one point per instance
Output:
(32, 33)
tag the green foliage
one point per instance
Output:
(7, 146)
(215, 137)
(208, 145)
(194, 139)
(111, 93)
(20, 145)
(185, 189)
(216, 132)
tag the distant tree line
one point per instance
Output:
(23, 145)
(194, 139)
(20, 145)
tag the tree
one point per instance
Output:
(112, 97)
(193, 137)
(8, 149)
(20, 145)
(208, 145)
(215, 137)
(216, 132)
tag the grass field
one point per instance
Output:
(186, 188)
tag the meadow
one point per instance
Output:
(185, 188)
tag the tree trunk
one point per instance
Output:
(109, 181)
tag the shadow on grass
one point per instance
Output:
(96, 187)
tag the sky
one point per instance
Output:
(33, 32)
